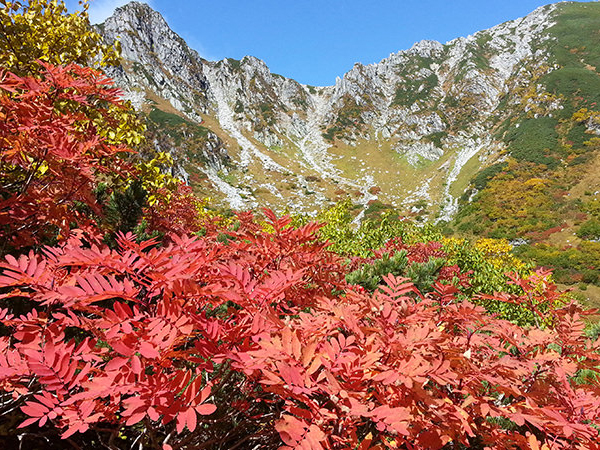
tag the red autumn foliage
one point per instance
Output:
(51, 156)
(176, 211)
(259, 341)
(255, 341)
(544, 235)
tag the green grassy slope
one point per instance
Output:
(545, 192)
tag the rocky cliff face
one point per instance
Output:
(413, 128)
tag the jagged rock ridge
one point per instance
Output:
(408, 129)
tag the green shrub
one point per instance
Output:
(577, 136)
(589, 230)
(370, 276)
(482, 178)
(590, 276)
(413, 90)
(165, 118)
(573, 83)
(534, 141)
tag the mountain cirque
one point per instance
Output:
(410, 131)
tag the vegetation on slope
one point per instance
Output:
(552, 145)
(270, 333)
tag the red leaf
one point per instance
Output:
(147, 350)
(28, 422)
(115, 364)
(135, 418)
(206, 409)
(153, 414)
(180, 423)
(191, 419)
(136, 365)
(34, 409)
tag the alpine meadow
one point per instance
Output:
(203, 254)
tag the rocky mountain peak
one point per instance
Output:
(138, 25)
(432, 108)
(135, 8)
(425, 48)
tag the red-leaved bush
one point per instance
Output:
(258, 342)
(179, 211)
(250, 338)
(51, 154)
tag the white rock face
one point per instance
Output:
(468, 148)
(593, 125)
(418, 151)
(418, 98)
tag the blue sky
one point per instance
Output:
(315, 41)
